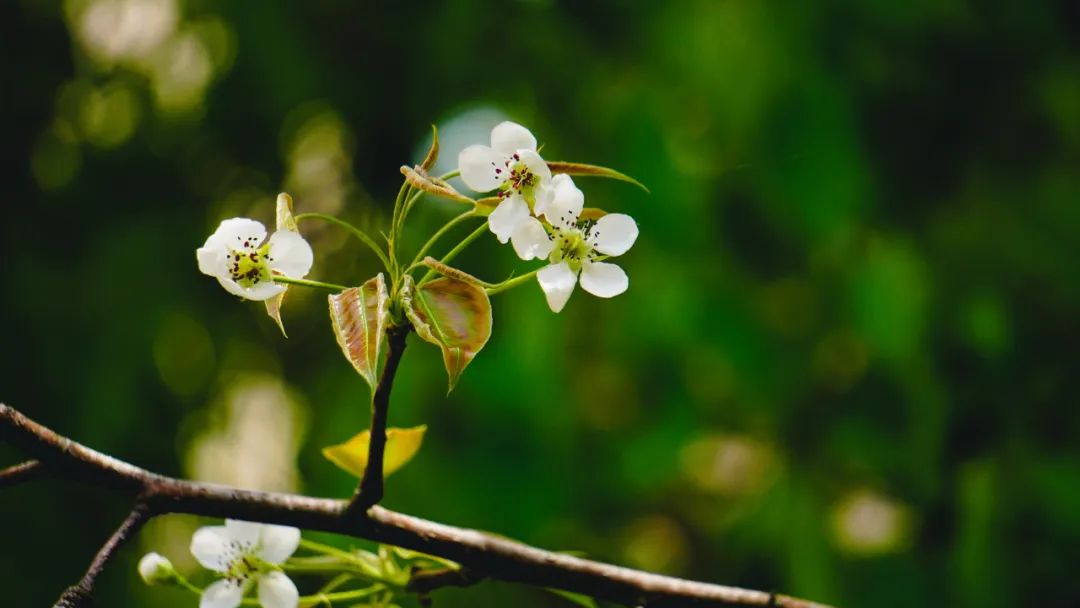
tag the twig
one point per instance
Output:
(497, 557)
(370, 490)
(20, 473)
(81, 595)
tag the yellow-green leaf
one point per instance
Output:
(455, 316)
(593, 170)
(401, 446)
(359, 316)
(285, 221)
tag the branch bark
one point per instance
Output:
(493, 556)
(20, 473)
(370, 489)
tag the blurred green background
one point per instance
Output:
(842, 369)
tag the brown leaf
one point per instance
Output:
(359, 316)
(455, 316)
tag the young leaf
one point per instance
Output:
(419, 179)
(285, 221)
(433, 151)
(359, 316)
(453, 273)
(453, 315)
(594, 170)
(401, 446)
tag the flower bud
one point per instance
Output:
(156, 569)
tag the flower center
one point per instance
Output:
(572, 243)
(249, 264)
(242, 562)
(519, 180)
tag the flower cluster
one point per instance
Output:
(541, 215)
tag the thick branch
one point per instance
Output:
(496, 557)
(370, 490)
(19, 473)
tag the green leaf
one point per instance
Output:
(359, 317)
(401, 446)
(577, 598)
(455, 316)
(593, 170)
(285, 221)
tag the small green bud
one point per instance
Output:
(155, 569)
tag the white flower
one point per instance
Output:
(511, 165)
(245, 553)
(573, 247)
(244, 265)
(156, 569)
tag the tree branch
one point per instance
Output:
(19, 473)
(496, 557)
(370, 490)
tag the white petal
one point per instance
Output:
(261, 291)
(482, 168)
(603, 280)
(291, 255)
(277, 591)
(531, 240)
(507, 216)
(238, 230)
(567, 201)
(543, 195)
(536, 165)
(213, 258)
(222, 594)
(613, 234)
(210, 546)
(244, 532)
(509, 137)
(558, 282)
(277, 543)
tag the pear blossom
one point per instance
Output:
(155, 569)
(512, 165)
(574, 247)
(237, 256)
(246, 553)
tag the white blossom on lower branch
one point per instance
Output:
(247, 553)
(245, 265)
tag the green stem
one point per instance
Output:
(307, 283)
(358, 233)
(412, 200)
(328, 568)
(395, 224)
(439, 234)
(511, 283)
(481, 229)
(315, 547)
(338, 596)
